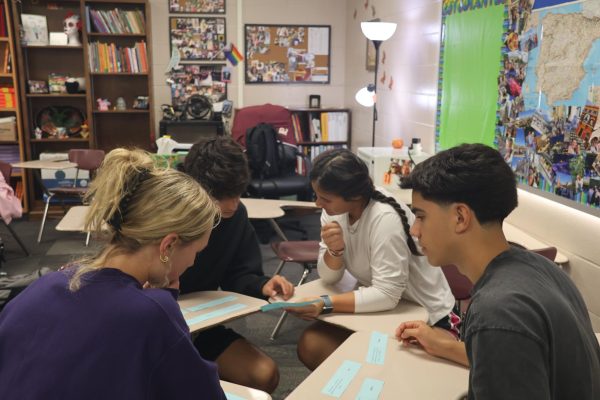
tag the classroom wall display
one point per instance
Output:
(197, 6)
(546, 94)
(190, 79)
(287, 53)
(198, 38)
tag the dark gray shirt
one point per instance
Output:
(528, 333)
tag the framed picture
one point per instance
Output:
(197, 6)
(198, 38)
(370, 57)
(190, 79)
(287, 53)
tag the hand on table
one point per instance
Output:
(309, 312)
(278, 285)
(420, 333)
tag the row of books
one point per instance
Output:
(108, 57)
(320, 127)
(115, 21)
(311, 152)
(7, 97)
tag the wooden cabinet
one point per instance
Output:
(112, 62)
(320, 129)
(12, 145)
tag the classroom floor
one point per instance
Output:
(57, 248)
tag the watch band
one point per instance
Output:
(327, 304)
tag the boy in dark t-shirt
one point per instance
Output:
(527, 333)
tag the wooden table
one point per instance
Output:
(235, 392)
(270, 209)
(407, 373)
(216, 307)
(383, 321)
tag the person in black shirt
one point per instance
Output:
(232, 261)
(527, 333)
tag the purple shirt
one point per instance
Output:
(109, 340)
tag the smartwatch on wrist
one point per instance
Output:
(327, 304)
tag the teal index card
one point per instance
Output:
(341, 379)
(231, 396)
(370, 389)
(377, 348)
(211, 303)
(287, 304)
(214, 314)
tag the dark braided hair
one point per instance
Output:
(342, 173)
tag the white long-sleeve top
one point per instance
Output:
(377, 255)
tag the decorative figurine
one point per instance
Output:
(121, 105)
(37, 133)
(85, 130)
(72, 25)
(103, 104)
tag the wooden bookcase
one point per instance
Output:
(320, 129)
(107, 129)
(12, 150)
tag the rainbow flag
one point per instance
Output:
(233, 55)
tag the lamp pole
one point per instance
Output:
(376, 43)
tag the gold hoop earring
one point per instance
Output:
(163, 259)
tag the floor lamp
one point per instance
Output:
(377, 32)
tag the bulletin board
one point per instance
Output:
(288, 53)
(198, 38)
(197, 6)
(512, 87)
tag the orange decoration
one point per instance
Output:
(397, 143)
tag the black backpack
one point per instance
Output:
(262, 148)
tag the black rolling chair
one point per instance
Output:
(6, 170)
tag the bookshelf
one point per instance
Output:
(320, 129)
(113, 61)
(12, 147)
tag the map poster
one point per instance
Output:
(549, 98)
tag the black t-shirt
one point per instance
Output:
(231, 261)
(528, 333)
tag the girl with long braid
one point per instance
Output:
(367, 234)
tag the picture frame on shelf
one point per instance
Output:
(35, 30)
(140, 103)
(198, 38)
(287, 53)
(37, 87)
(197, 6)
(202, 79)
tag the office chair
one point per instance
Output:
(6, 170)
(87, 160)
(548, 252)
(305, 252)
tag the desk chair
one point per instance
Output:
(548, 252)
(460, 285)
(87, 160)
(305, 252)
(6, 170)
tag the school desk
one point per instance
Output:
(204, 309)
(383, 321)
(368, 363)
(239, 392)
(38, 165)
(270, 209)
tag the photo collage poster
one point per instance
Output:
(287, 53)
(547, 125)
(200, 41)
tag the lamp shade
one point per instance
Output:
(379, 31)
(366, 96)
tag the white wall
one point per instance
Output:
(408, 109)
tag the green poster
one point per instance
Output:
(471, 64)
